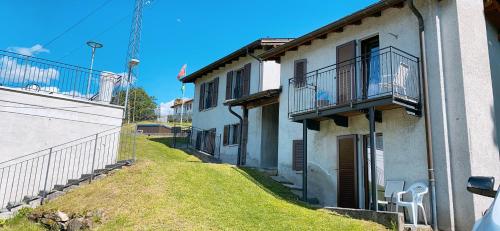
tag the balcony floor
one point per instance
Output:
(381, 103)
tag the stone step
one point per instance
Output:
(27, 199)
(293, 187)
(269, 171)
(281, 180)
(85, 177)
(113, 166)
(13, 204)
(125, 162)
(74, 181)
(101, 171)
(59, 187)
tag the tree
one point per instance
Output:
(141, 105)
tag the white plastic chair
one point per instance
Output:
(392, 187)
(417, 190)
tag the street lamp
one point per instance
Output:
(94, 45)
(132, 63)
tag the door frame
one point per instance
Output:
(364, 45)
(352, 91)
(355, 146)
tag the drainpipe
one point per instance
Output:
(427, 114)
(238, 161)
(260, 68)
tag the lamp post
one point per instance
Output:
(131, 64)
(94, 45)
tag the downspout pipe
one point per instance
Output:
(427, 114)
(238, 161)
(260, 68)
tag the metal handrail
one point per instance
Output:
(59, 166)
(18, 71)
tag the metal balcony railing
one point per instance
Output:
(382, 73)
(44, 76)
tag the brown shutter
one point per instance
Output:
(202, 97)
(247, 71)
(215, 93)
(298, 155)
(226, 135)
(299, 72)
(346, 72)
(229, 82)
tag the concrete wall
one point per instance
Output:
(461, 102)
(31, 121)
(219, 116)
(494, 55)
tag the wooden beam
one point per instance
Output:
(293, 49)
(378, 14)
(339, 120)
(358, 22)
(307, 43)
(378, 116)
(339, 30)
(323, 36)
(399, 5)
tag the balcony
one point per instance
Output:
(27, 73)
(386, 79)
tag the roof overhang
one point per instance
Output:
(492, 13)
(374, 10)
(258, 99)
(265, 44)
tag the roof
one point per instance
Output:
(374, 10)
(258, 99)
(178, 102)
(264, 43)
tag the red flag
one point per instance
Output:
(182, 73)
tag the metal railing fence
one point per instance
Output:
(44, 76)
(35, 175)
(385, 72)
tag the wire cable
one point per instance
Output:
(74, 25)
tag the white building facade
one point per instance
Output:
(212, 120)
(371, 59)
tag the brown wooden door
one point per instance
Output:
(347, 190)
(346, 72)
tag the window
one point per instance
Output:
(231, 134)
(299, 72)
(208, 94)
(238, 82)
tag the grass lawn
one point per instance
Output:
(170, 190)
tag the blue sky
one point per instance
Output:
(174, 32)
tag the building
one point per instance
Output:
(182, 113)
(54, 115)
(239, 77)
(365, 77)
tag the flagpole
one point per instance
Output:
(182, 104)
(182, 98)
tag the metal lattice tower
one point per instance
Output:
(135, 33)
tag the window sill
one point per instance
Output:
(207, 109)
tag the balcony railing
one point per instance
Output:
(387, 72)
(44, 76)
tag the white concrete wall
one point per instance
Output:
(494, 55)
(461, 102)
(219, 116)
(31, 121)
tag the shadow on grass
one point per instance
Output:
(270, 186)
(258, 178)
(181, 143)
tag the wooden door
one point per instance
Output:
(347, 178)
(346, 72)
